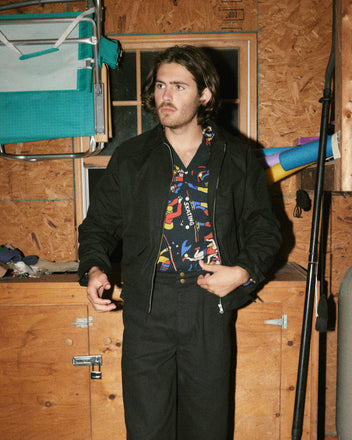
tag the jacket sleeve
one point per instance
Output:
(100, 232)
(259, 231)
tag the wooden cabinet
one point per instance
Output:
(45, 323)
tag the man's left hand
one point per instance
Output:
(222, 279)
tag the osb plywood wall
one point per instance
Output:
(294, 39)
(38, 202)
(169, 16)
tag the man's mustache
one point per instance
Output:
(166, 104)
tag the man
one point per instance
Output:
(190, 206)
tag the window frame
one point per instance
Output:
(245, 42)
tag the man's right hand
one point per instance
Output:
(97, 284)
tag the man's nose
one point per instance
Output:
(167, 95)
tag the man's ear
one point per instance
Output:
(205, 96)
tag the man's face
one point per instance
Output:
(176, 96)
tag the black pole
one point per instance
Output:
(301, 386)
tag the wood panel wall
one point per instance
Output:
(294, 39)
(37, 202)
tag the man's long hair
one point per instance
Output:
(199, 64)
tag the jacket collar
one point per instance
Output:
(156, 138)
(217, 154)
(156, 135)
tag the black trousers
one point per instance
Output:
(177, 363)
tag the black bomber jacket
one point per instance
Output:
(129, 205)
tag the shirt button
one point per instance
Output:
(182, 274)
(182, 281)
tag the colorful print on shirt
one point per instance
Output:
(188, 235)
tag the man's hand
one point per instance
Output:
(223, 279)
(97, 284)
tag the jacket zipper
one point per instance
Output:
(220, 306)
(160, 243)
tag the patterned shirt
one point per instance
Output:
(188, 235)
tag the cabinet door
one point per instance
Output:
(105, 338)
(43, 396)
(258, 372)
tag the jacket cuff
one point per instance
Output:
(83, 281)
(83, 273)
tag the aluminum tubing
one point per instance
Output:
(344, 359)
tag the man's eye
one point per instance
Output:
(159, 86)
(179, 87)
